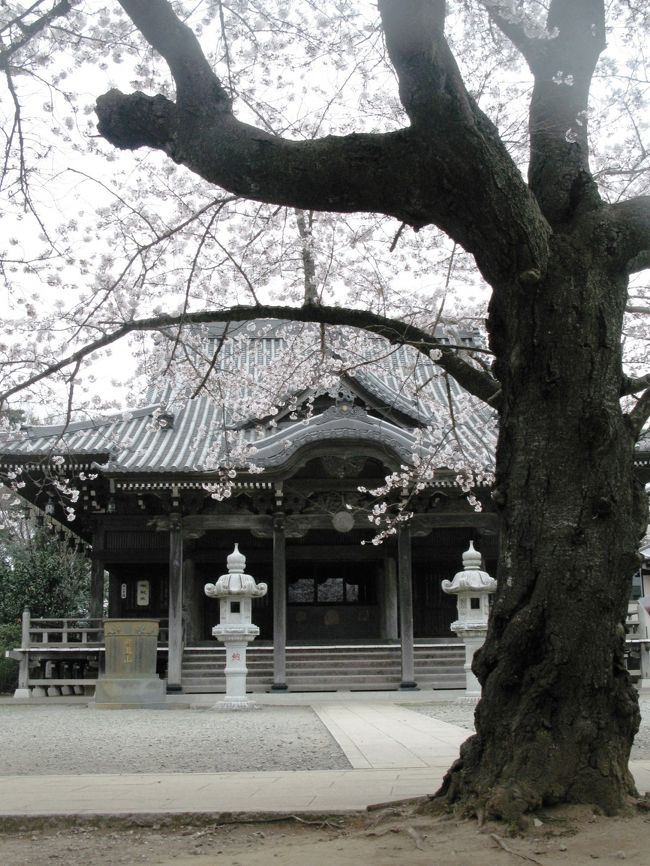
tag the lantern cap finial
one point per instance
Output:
(471, 558)
(236, 561)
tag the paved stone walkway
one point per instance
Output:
(395, 753)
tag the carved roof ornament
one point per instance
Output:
(343, 466)
(236, 582)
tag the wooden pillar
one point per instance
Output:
(389, 599)
(175, 640)
(279, 605)
(96, 601)
(114, 599)
(96, 605)
(192, 601)
(405, 585)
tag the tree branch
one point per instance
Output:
(641, 412)
(559, 173)
(634, 385)
(632, 222)
(505, 18)
(195, 80)
(429, 79)
(631, 385)
(417, 175)
(476, 382)
(308, 260)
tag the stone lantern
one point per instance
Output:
(235, 591)
(472, 587)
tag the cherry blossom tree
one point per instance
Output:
(480, 129)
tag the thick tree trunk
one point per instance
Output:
(558, 713)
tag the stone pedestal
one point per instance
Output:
(129, 680)
(473, 640)
(235, 671)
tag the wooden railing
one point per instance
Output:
(67, 631)
(62, 655)
(70, 632)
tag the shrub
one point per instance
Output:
(9, 639)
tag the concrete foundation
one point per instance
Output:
(116, 692)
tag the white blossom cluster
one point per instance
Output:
(433, 460)
(55, 481)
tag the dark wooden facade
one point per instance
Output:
(326, 585)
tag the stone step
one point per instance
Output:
(343, 658)
(318, 665)
(329, 668)
(335, 650)
(321, 665)
(219, 686)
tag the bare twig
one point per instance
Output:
(28, 31)
(395, 240)
(417, 838)
(512, 851)
(188, 283)
(210, 368)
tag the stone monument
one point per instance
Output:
(472, 588)
(129, 680)
(235, 591)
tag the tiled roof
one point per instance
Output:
(196, 441)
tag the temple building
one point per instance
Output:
(341, 611)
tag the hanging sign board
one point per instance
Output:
(142, 593)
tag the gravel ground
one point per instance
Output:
(50, 740)
(462, 713)
(41, 740)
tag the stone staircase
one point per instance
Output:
(329, 668)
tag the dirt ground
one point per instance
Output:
(394, 836)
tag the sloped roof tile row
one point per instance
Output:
(198, 440)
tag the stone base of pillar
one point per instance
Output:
(228, 705)
(39, 692)
(22, 693)
(409, 684)
(279, 687)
